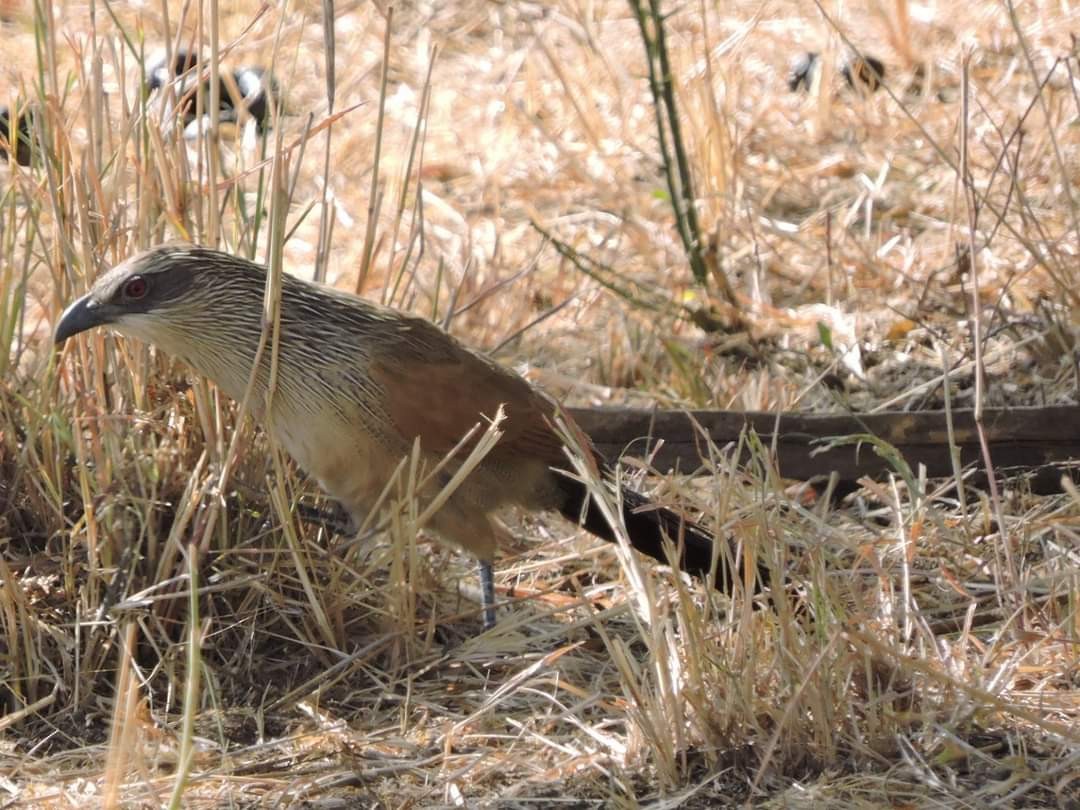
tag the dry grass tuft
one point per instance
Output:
(173, 634)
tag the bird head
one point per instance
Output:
(184, 299)
(206, 307)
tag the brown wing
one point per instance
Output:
(436, 389)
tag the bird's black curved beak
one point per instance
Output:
(86, 313)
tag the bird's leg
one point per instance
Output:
(487, 593)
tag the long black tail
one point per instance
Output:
(647, 526)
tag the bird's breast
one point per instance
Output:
(347, 459)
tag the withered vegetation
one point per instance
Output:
(173, 632)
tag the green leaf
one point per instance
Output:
(825, 333)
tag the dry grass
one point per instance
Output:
(171, 631)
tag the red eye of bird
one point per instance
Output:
(135, 288)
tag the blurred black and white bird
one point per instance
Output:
(862, 72)
(160, 69)
(16, 129)
(244, 93)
